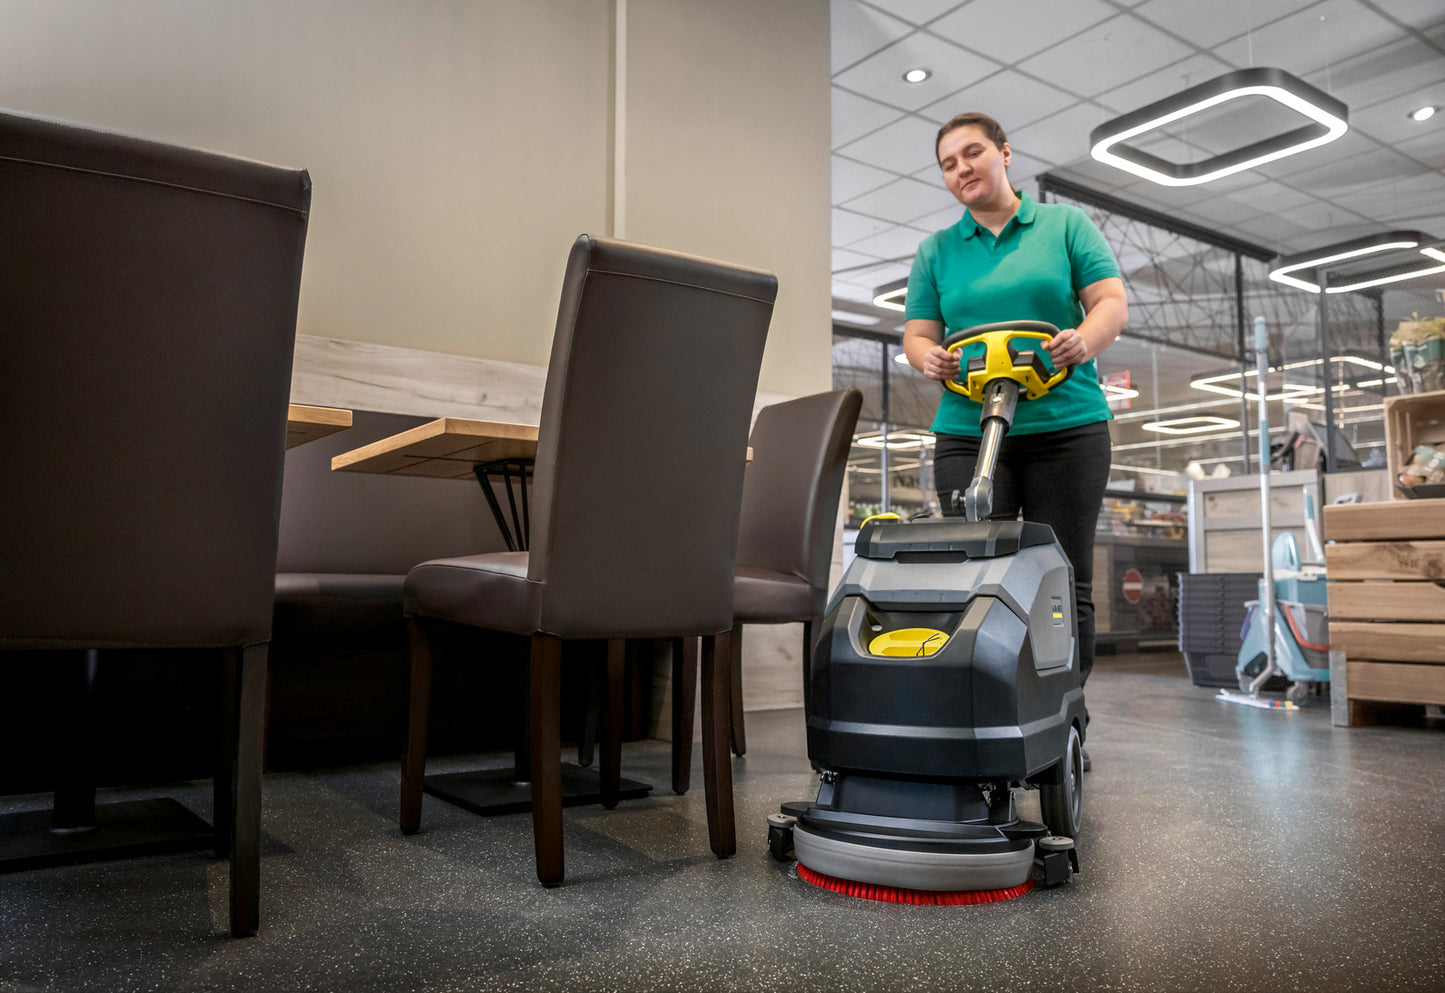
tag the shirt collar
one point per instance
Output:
(1024, 215)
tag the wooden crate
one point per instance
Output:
(1411, 419)
(1387, 601)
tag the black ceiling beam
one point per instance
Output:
(1049, 183)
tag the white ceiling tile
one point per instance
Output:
(1333, 179)
(1312, 41)
(1273, 232)
(893, 243)
(851, 293)
(1392, 72)
(1062, 138)
(903, 200)
(1171, 79)
(854, 116)
(905, 146)
(851, 179)
(1010, 30)
(1419, 14)
(1381, 200)
(1095, 175)
(940, 219)
(881, 74)
(1271, 196)
(1208, 24)
(859, 30)
(1011, 98)
(1428, 148)
(849, 227)
(917, 11)
(1107, 55)
(1222, 211)
(849, 260)
(1320, 215)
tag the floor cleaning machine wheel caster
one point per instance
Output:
(780, 836)
(1297, 692)
(1062, 803)
(1058, 858)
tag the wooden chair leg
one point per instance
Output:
(413, 765)
(717, 767)
(224, 786)
(610, 766)
(545, 709)
(592, 716)
(735, 691)
(684, 697)
(245, 827)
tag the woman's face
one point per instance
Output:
(974, 167)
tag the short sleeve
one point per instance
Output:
(922, 301)
(1090, 258)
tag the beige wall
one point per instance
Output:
(458, 146)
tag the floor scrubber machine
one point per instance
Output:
(945, 677)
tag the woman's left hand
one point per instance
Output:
(1067, 348)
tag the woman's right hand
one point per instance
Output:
(940, 364)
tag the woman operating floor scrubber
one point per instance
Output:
(946, 675)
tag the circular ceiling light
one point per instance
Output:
(916, 75)
(1423, 114)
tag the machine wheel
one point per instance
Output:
(1297, 692)
(1062, 804)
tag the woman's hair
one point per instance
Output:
(987, 124)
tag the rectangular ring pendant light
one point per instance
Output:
(891, 295)
(1328, 120)
(1403, 246)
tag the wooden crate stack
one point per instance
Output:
(1387, 600)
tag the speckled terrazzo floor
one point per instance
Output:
(1225, 848)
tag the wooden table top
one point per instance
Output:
(305, 423)
(445, 448)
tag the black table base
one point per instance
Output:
(122, 830)
(496, 791)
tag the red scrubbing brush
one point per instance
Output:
(897, 894)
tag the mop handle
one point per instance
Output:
(1266, 594)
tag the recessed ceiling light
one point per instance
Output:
(1423, 114)
(901, 358)
(1191, 425)
(917, 75)
(1327, 118)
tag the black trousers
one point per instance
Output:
(1056, 478)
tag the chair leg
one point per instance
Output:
(684, 696)
(610, 767)
(413, 765)
(224, 785)
(545, 709)
(592, 716)
(245, 826)
(735, 692)
(717, 767)
(809, 627)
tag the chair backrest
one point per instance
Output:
(790, 496)
(643, 440)
(148, 300)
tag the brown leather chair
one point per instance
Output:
(785, 540)
(639, 478)
(148, 299)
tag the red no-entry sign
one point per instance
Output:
(1133, 585)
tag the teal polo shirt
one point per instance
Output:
(1032, 271)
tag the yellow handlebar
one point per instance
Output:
(1000, 361)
